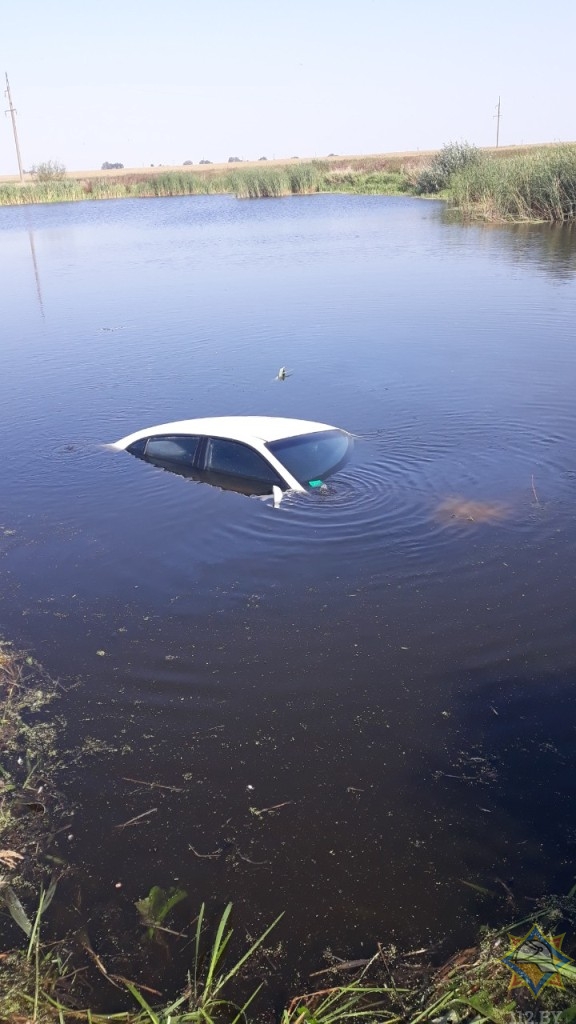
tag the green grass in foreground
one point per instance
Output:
(38, 985)
(54, 982)
(28, 750)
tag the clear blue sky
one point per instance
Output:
(163, 81)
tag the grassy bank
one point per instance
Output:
(230, 980)
(536, 183)
(244, 183)
(30, 810)
(230, 984)
(537, 187)
(28, 762)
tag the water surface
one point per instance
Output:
(393, 661)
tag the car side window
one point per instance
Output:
(172, 448)
(235, 459)
(138, 447)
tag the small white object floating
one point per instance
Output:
(283, 373)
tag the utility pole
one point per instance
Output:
(12, 111)
(497, 116)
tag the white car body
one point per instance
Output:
(253, 431)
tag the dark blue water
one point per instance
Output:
(393, 661)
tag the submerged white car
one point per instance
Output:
(257, 455)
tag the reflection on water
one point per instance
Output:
(551, 246)
(399, 690)
(36, 273)
(554, 245)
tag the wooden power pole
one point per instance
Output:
(497, 116)
(12, 111)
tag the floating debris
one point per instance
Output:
(156, 906)
(463, 510)
(283, 373)
(137, 819)
(10, 858)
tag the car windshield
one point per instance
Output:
(312, 457)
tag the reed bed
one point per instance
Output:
(534, 184)
(272, 182)
(540, 186)
(258, 184)
(378, 182)
(242, 182)
(41, 192)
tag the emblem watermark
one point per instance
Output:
(535, 1017)
(537, 961)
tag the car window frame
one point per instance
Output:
(193, 465)
(204, 468)
(303, 438)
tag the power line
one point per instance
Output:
(498, 116)
(12, 111)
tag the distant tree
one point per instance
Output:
(205, 161)
(262, 157)
(234, 160)
(111, 167)
(50, 170)
(188, 163)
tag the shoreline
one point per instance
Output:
(391, 159)
(39, 978)
(531, 184)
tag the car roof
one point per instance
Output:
(240, 428)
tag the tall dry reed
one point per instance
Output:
(540, 186)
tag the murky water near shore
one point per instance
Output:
(352, 705)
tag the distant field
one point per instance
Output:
(377, 160)
(367, 162)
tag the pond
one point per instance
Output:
(357, 706)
